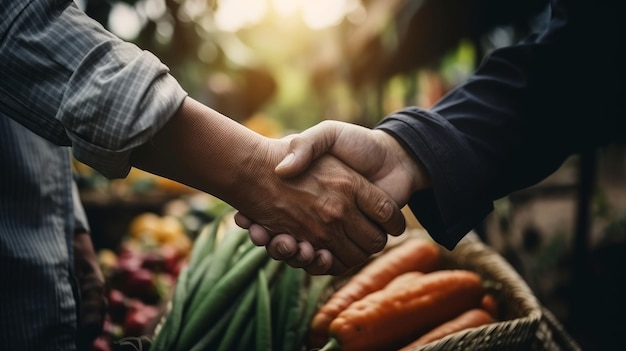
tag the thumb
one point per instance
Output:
(305, 148)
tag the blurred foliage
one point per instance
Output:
(297, 62)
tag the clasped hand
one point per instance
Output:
(376, 156)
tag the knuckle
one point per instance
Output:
(325, 123)
(331, 211)
(295, 142)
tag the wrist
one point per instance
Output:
(255, 178)
(414, 169)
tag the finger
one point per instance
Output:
(258, 235)
(369, 239)
(360, 230)
(282, 246)
(381, 209)
(305, 147)
(321, 263)
(304, 256)
(356, 244)
(242, 221)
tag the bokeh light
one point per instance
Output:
(125, 21)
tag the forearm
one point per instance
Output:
(206, 150)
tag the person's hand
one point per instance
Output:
(341, 210)
(91, 284)
(374, 153)
(330, 206)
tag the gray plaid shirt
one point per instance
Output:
(66, 85)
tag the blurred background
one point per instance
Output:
(280, 66)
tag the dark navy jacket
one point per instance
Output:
(525, 109)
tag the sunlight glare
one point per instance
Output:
(321, 14)
(232, 15)
(286, 7)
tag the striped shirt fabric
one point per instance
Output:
(67, 87)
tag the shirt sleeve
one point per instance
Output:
(525, 109)
(66, 78)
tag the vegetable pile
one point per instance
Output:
(233, 296)
(141, 271)
(140, 275)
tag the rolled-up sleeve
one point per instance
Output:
(66, 78)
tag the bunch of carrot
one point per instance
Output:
(401, 300)
(232, 296)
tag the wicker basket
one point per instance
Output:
(524, 323)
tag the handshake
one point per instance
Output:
(326, 207)
(339, 191)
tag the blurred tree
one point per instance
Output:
(401, 36)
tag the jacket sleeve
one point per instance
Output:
(525, 109)
(63, 76)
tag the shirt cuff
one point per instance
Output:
(108, 150)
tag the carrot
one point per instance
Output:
(415, 254)
(403, 280)
(468, 319)
(490, 305)
(393, 316)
